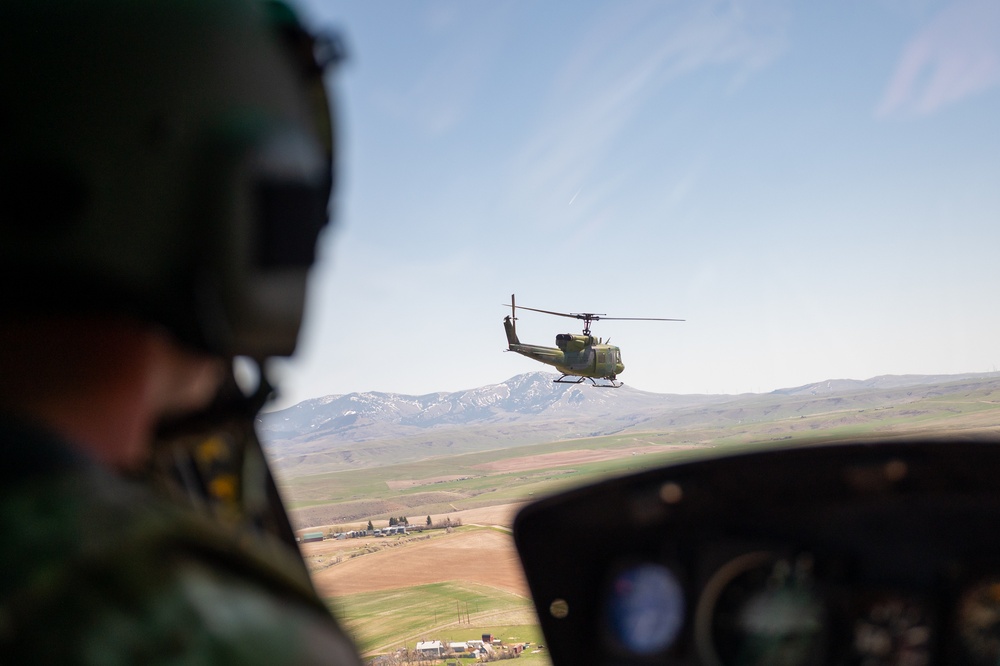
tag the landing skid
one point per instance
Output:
(575, 379)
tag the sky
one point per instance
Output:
(813, 187)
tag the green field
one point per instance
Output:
(477, 487)
(382, 622)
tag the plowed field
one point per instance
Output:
(483, 556)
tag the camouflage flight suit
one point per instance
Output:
(95, 569)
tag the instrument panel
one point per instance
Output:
(860, 553)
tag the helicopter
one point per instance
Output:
(579, 358)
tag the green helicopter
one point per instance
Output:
(579, 358)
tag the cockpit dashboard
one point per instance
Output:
(867, 553)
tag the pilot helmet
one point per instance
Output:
(165, 160)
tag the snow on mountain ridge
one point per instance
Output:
(372, 428)
(527, 394)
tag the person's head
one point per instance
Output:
(166, 169)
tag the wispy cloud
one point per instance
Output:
(437, 94)
(622, 66)
(956, 55)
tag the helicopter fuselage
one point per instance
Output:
(581, 356)
(574, 354)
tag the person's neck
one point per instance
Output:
(89, 381)
(102, 383)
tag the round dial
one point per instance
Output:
(762, 609)
(893, 630)
(977, 617)
(645, 609)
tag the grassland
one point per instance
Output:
(451, 612)
(472, 479)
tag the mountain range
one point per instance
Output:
(370, 429)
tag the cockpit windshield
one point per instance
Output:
(812, 187)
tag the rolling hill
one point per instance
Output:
(365, 430)
(372, 429)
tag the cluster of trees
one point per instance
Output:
(402, 520)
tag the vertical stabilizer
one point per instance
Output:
(509, 326)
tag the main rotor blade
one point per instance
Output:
(558, 314)
(590, 315)
(640, 319)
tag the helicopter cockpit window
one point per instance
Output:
(813, 190)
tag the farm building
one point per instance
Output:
(480, 648)
(311, 536)
(430, 648)
(458, 647)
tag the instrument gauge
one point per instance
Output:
(762, 608)
(644, 609)
(977, 617)
(893, 630)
